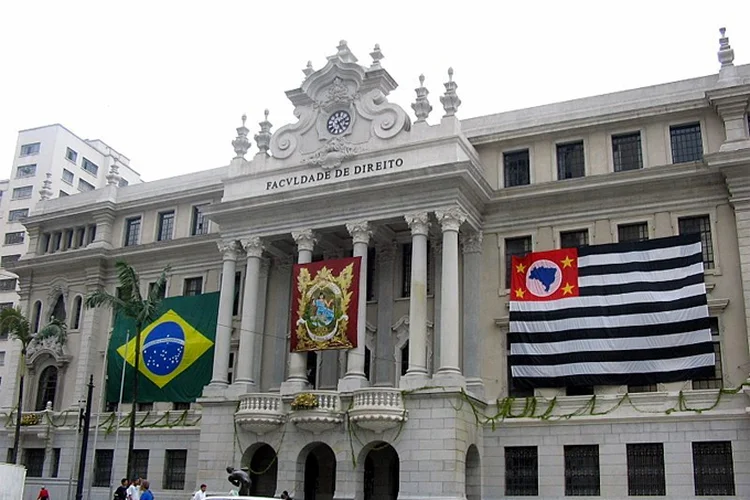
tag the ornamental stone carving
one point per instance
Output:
(253, 246)
(333, 154)
(472, 243)
(51, 346)
(229, 249)
(360, 231)
(450, 219)
(305, 239)
(241, 144)
(422, 107)
(418, 222)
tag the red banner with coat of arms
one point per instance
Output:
(325, 302)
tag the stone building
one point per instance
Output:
(424, 406)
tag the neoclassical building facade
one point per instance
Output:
(424, 406)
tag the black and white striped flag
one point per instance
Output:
(624, 313)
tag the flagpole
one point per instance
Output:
(98, 418)
(119, 413)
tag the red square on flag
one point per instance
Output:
(547, 275)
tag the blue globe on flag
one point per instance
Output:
(164, 348)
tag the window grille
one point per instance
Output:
(193, 286)
(713, 469)
(632, 232)
(516, 168)
(570, 160)
(582, 470)
(521, 471)
(646, 469)
(700, 224)
(140, 463)
(175, 465)
(716, 380)
(687, 144)
(132, 231)
(33, 459)
(166, 226)
(626, 152)
(574, 239)
(103, 467)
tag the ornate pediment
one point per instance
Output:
(340, 108)
(53, 347)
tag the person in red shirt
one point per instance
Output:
(43, 494)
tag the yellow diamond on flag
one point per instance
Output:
(169, 346)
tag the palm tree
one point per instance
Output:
(142, 310)
(18, 326)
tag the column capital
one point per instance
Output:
(450, 218)
(253, 246)
(229, 249)
(305, 239)
(360, 231)
(418, 222)
(472, 243)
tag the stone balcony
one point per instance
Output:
(260, 413)
(316, 411)
(378, 408)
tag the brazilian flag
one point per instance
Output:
(177, 351)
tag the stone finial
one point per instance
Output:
(46, 190)
(308, 69)
(241, 143)
(376, 55)
(726, 52)
(450, 100)
(263, 138)
(344, 53)
(422, 106)
(113, 176)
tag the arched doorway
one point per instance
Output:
(473, 474)
(381, 473)
(263, 469)
(320, 473)
(47, 388)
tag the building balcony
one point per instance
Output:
(316, 411)
(378, 408)
(260, 413)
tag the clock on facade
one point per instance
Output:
(338, 122)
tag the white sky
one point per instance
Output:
(166, 82)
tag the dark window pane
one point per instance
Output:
(582, 470)
(516, 168)
(406, 270)
(515, 247)
(166, 226)
(574, 239)
(175, 464)
(521, 471)
(570, 162)
(193, 286)
(716, 381)
(579, 390)
(132, 231)
(140, 463)
(103, 467)
(686, 143)
(200, 223)
(626, 152)
(33, 459)
(646, 469)
(237, 290)
(371, 273)
(632, 232)
(701, 225)
(713, 468)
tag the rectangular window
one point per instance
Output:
(84, 186)
(646, 469)
(2, 358)
(521, 471)
(145, 407)
(626, 152)
(371, 273)
(22, 193)
(9, 260)
(103, 467)
(175, 466)
(406, 270)
(89, 166)
(579, 390)
(570, 161)
(632, 232)
(700, 224)
(71, 155)
(162, 293)
(30, 149)
(716, 380)
(23, 171)
(8, 285)
(33, 459)
(180, 406)
(713, 468)
(200, 223)
(237, 293)
(515, 247)
(687, 144)
(193, 286)
(140, 463)
(574, 239)
(14, 238)
(516, 168)
(582, 470)
(16, 215)
(166, 226)
(132, 231)
(68, 176)
(55, 462)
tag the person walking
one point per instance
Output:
(134, 491)
(121, 493)
(43, 494)
(201, 493)
(145, 492)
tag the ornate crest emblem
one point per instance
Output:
(333, 154)
(336, 95)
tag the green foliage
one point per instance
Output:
(17, 326)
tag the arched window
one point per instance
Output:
(58, 312)
(36, 315)
(77, 309)
(47, 388)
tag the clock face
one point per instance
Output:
(338, 122)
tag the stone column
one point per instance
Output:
(282, 298)
(437, 263)
(260, 322)
(103, 235)
(297, 380)
(222, 346)
(384, 359)
(449, 373)
(355, 359)
(472, 353)
(416, 375)
(246, 353)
